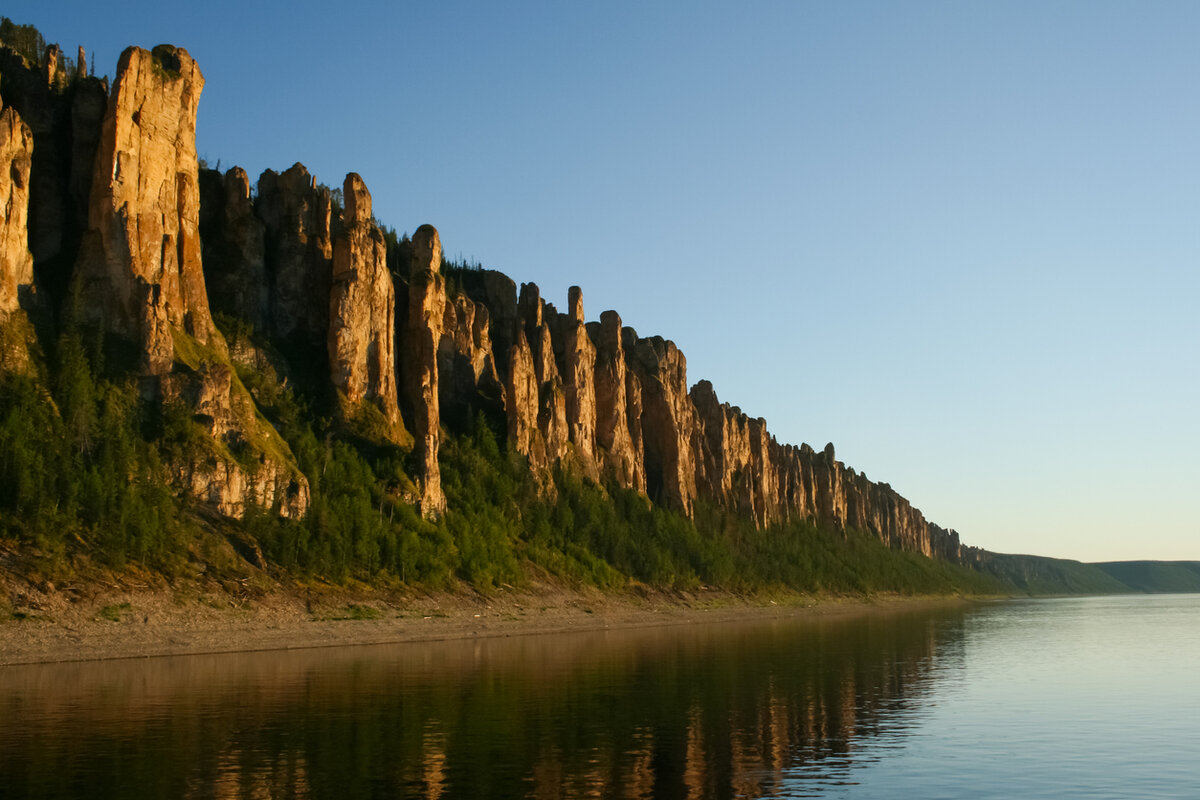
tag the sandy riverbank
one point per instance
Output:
(139, 624)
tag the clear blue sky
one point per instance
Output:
(959, 240)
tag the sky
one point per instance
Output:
(959, 240)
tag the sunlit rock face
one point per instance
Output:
(140, 265)
(575, 356)
(362, 312)
(424, 318)
(140, 269)
(16, 260)
(618, 406)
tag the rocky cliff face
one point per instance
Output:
(299, 255)
(378, 323)
(467, 379)
(670, 425)
(140, 270)
(16, 261)
(362, 314)
(576, 357)
(63, 117)
(140, 266)
(618, 407)
(234, 248)
(422, 333)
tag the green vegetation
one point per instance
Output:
(76, 471)
(82, 473)
(26, 40)
(113, 613)
(1038, 575)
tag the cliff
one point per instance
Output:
(374, 330)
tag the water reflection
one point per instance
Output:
(695, 712)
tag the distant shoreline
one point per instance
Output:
(150, 624)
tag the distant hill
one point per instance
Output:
(1039, 575)
(1154, 577)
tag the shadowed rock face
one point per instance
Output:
(140, 265)
(421, 336)
(670, 425)
(234, 259)
(362, 312)
(64, 118)
(298, 253)
(467, 377)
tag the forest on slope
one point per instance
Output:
(199, 372)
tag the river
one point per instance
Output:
(1079, 697)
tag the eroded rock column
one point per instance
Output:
(422, 333)
(140, 265)
(16, 261)
(362, 313)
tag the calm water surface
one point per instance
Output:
(1093, 697)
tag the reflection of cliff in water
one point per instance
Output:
(674, 712)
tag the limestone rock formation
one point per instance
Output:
(535, 403)
(362, 313)
(218, 478)
(578, 368)
(616, 422)
(234, 260)
(422, 331)
(64, 118)
(109, 184)
(497, 293)
(16, 261)
(467, 377)
(670, 426)
(521, 404)
(140, 270)
(140, 267)
(299, 254)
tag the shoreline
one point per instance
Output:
(138, 625)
